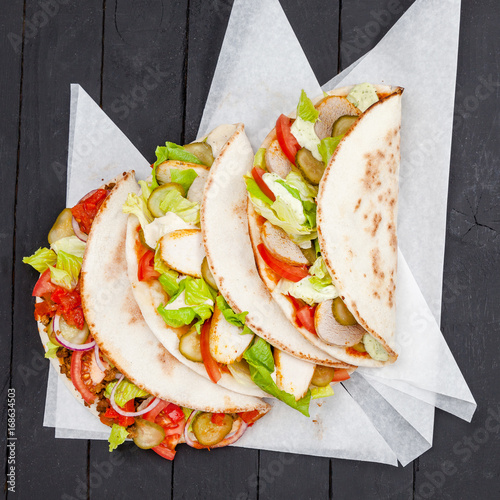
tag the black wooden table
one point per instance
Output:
(110, 47)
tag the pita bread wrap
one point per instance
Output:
(117, 325)
(356, 224)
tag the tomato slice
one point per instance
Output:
(250, 417)
(44, 286)
(218, 418)
(175, 412)
(305, 318)
(152, 414)
(296, 303)
(86, 210)
(340, 374)
(146, 269)
(286, 139)
(211, 365)
(79, 366)
(257, 174)
(292, 273)
(126, 421)
(164, 452)
(69, 306)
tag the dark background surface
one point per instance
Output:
(109, 46)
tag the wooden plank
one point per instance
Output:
(63, 45)
(463, 462)
(143, 92)
(10, 82)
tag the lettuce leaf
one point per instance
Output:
(51, 349)
(305, 109)
(327, 147)
(320, 273)
(67, 270)
(146, 190)
(260, 359)
(125, 392)
(42, 259)
(169, 283)
(259, 159)
(183, 177)
(187, 411)
(236, 319)
(186, 315)
(188, 211)
(309, 292)
(171, 151)
(322, 392)
(71, 245)
(255, 191)
(118, 436)
(136, 205)
(198, 292)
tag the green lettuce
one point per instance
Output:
(136, 205)
(259, 159)
(319, 273)
(236, 319)
(327, 147)
(125, 392)
(168, 277)
(171, 151)
(51, 349)
(305, 109)
(70, 244)
(183, 177)
(322, 392)
(308, 206)
(42, 259)
(260, 359)
(118, 436)
(188, 211)
(255, 191)
(197, 291)
(187, 411)
(67, 270)
(146, 190)
(186, 315)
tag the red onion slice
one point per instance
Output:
(239, 427)
(65, 343)
(115, 406)
(98, 358)
(78, 232)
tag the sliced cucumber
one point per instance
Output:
(202, 151)
(322, 376)
(341, 314)
(189, 346)
(207, 274)
(62, 227)
(343, 124)
(209, 434)
(157, 196)
(309, 167)
(147, 434)
(72, 333)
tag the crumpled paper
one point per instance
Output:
(245, 89)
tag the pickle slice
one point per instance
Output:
(189, 346)
(157, 196)
(207, 274)
(309, 167)
(343, 124)
(72, 333)
(360, 347)
(322, 375)
(147, 434)
(62, 227)
(309, 254)
(209, 434)
(202, 151)
(341, 314)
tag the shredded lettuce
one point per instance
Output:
(187, 411)
(232, 317)
(136, 205)
(259, 159)
(254, 189)
(118, 436)
(146, 190)
(186, 315)
(198, 292)
(171, 151)
(42, 259)
(168, 277)
(125, 392)
(71, 245)
(261, 362)
(241, 373)
(327, 147)
(67, 270)
(320, 273)
(188, 211)
(183, 177)
(322, 392)
(305, 109)
(51, 349)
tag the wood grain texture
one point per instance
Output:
(464, 461)
(59, 49)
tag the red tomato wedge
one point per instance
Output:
(257, 174)
(340, 374)
(78, 366)
(175, 412)
(305, 318)
(286, 139)
(211, 365)
(218, 418)
(292, 273)
(151, 415)
(250, 417)
(126, 421)
(164, 452)
(146, 269)
(86, 209)
(44, 286)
